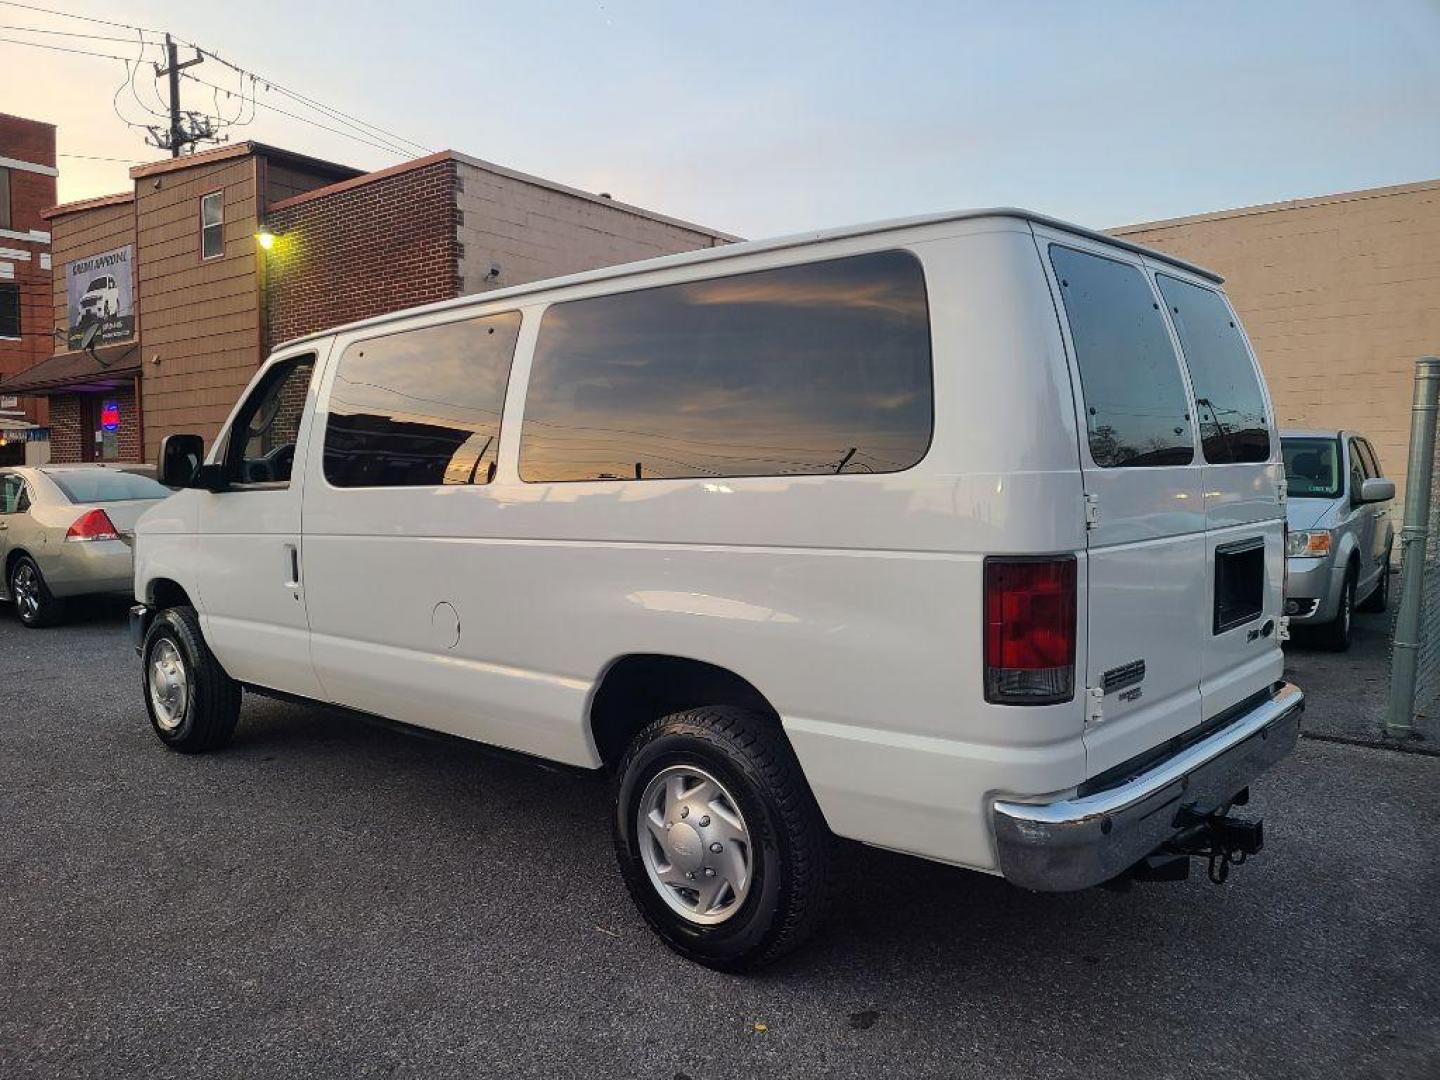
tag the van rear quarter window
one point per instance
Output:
(1227, 389)
(812, 369)
(1136, 412)
(420, 408)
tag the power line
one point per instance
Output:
(350, 126)
(398, 151)
(82, 18)
(92, 157)
(65, 33)
(59, 48)
(373, 130)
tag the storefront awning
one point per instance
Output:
(77, 372)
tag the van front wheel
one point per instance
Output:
(719, 840)
(193, 704)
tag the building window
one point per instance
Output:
(814, 369)
(9, 311)
(212, 225)
(5, 199)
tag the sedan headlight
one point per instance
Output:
(1308, 543)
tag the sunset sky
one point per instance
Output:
(764, 118)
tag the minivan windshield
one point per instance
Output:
(104, 485)
(1312, 467)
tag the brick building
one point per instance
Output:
(209, 301)
(1339, 296)
(27, 187)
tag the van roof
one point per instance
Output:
(753, 247)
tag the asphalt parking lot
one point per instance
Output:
(329, 898)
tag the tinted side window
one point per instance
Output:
(261, 447)
(1227, 387)
(421, 408)
(821, 368)
(1136, 411)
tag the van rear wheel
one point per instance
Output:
(193, 704)
(719, 839)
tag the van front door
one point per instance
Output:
(1145, 558)
(252, 599)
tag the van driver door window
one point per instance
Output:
(252, 593)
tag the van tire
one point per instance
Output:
(1379, 598)
(35, 605)
(790, 848)
(207, 707)
(1336, 634)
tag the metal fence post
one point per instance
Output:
(1400, 717)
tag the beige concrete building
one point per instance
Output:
(1339, 293)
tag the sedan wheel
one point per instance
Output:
(33, 602)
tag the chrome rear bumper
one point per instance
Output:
(1077, 842)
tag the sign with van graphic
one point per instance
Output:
(100, 289)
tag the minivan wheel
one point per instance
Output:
(193, 704)
(34, 603)
(1379, 598)
(719, 840)
(1335, 636)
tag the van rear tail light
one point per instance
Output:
(93, 525)
(1030, 616)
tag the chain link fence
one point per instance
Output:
(1427, 660)
(1414, 708)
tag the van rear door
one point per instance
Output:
(1148, 610)
(1244, 485)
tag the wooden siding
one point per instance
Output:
(200, 317)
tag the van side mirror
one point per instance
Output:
(1377, 489)
(180, 460)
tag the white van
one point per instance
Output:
(961, 536)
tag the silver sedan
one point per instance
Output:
(67, 530)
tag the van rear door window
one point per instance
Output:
(813, 369)
(1233, 427)
(420, 408)
(1136, 411)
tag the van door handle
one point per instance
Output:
(293, 557)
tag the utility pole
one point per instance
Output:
(186, 128)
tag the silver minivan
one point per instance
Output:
(1341, 533)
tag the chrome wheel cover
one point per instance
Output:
(694, 844)
(169, 685)
(25, 589)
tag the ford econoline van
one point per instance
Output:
(961, 536)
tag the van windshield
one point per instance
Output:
(98, 283)
(1312, 467)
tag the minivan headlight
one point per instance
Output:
(1308, 543)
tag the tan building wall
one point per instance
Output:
(531, 229)
(1339, 294)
